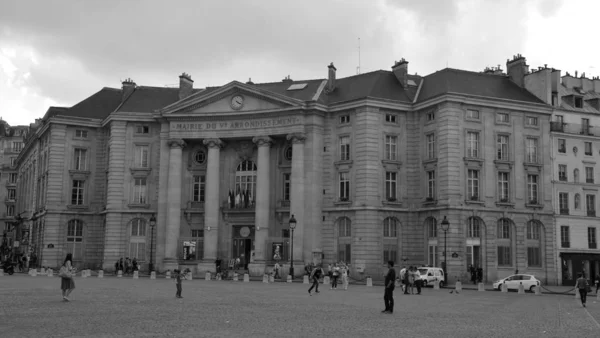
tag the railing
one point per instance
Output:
(592, 246)
(565, 244)
(574, 128)
(591, 213)
(564, 211)
(12, 150)
(589, 180)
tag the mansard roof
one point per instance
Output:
(146, 99)
(589, 95)
(97, 106)
(464, 82)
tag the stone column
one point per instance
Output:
(297, 198)
(262, 203)
(173, 202)
(212, 202)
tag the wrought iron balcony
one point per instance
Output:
(564, 211)
(574, 128)
(591, 213)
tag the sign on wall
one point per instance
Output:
(235, 124)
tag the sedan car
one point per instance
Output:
(512, 282)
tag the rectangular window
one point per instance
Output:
(531, 121)
(430, 116)
(592, 244)
(473, 184)
(79, 133)
(565, 238)
(502, 148)
(344, 252)
(391, 144)
(588, 148)
(10, 210)
(198, 188)
(137, 250)
(504, 257)
(562, 145)
(391, 118)
(389, 253)
(532, 189)
(578, 102)
(585, 126)
(12, 178)
(13, 162)
(534, 256)
(502, 118)
(141, 156)
(139, 191)
(390, 185)
(562, 172)
(287, 183)
(12, 194)
(17, 146)
(589, 174)
(142, 129)
(344, 181)
(532, 150)
(590, 205)
(75, 240)
(503, 186)
(473, 144)
(472, 114)
(563, 203)
(430, 146)
(77, 192)
(431, 185)
(80, 159)
(345, 148)
(344, 119)
(432, 255)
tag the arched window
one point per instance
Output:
(432, 242)
(473, 249)
(577, 201)
(504, 242)
(245, 184)
(344, 226)
(137, 240)
(75, 239)
(390, 243)
(576, 175)
(534, 247)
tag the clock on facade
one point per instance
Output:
(237, 102)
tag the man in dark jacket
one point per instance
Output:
(388, 296)
(315, 275)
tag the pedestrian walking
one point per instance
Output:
(411, 279)
(67, 284)
(178, 278)
(345, 280)
(315, 275)
(336, 275)
(597, 282)
(388, 296)
(403, 279)
(583, 286)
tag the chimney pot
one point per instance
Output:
(250, 81)
(400, 70)
(128, 88)
(331, 77)
(186, 85)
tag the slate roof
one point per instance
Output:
(451, 80)
(52, 111)
(145, 99)
(305, 94)
(97, 106)
(564, 91)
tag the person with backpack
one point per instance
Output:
(315, 275)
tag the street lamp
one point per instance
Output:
(445, 226)
(292, 227)
(152, 225)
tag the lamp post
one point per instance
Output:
(445, 226)
(292, 227)
(152, 225)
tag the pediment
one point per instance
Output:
(232, 98)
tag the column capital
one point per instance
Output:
(176, 142)
(213, 143)
(262, 141)
(296, 137)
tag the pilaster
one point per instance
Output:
(211, 205)
(262, 213)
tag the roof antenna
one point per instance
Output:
(358, 68)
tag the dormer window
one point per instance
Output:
(578, 101)
(430, 116)
(344, 119)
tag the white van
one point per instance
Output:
(429, 275)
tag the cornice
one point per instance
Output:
(487, 102)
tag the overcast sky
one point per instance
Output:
(59, 52)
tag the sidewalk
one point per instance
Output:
(546, 289)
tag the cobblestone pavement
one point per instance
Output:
(124, 307)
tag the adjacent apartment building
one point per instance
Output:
(369, 165)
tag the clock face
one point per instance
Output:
(237, 102)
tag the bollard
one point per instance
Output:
(153, 275)
(598, 295)
(481, 287)
(369, 281)
(207, 276)
(120, 273)
(326, 280)
(168, 274)
(436, 285)
(272, 279)
(305, 279)
(219, 277)
(50, 273)
(289, 278)
(235, 277)
(42, 271)
(265, 279)
(100, 273)
(246, 278)
(538, 290)
(189, 276)
(504, 287)
(136, 275)
(1, 272)
(34, 272)
(89, 272)
(458, 286)
(521, 288)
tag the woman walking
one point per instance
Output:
(67, 284)
(345, 280)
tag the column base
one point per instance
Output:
(169, 264)
(209, 266)
(256, 269)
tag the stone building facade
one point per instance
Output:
(369, 165)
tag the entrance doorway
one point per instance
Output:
(242, 246)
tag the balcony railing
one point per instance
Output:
(589, 180)
(574, 128)
(591, 213)
(564, 211)
(592, 245)
(562, 178)
(565, 244)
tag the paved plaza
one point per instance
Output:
(126, 307)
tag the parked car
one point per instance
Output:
(430, 275)
(512, 282)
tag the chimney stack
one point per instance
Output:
(186, 86)
(128, 88)
(331, 78)
(597, 85)
(400, 69)
(250, 81)
(287, 79)
(517, 68)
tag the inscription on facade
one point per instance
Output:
(239, 124)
